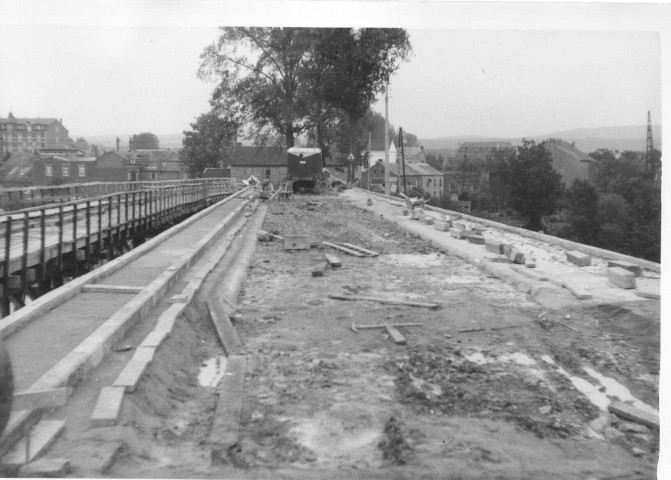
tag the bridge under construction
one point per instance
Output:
(191, 329)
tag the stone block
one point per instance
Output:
(579, 258)
(649, 291)
(406, 212)
(442, 226)
(479, 230)
(516, 256)
(493, 246)
(632, 267)
(476, 239)
(621, 277)
(457, 232)
(107, 409)
(428, 220)
(506, 248)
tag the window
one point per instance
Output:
(48, 171)
(65, 171)
(128, 176)
(153, 175)
(82, 170)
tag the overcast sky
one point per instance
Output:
(137, 71)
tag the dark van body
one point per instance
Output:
(304, 169)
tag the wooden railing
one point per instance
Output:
(39, 241)
(18, 198)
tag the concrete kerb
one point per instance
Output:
(588, 249)
(132, 373)
(87, 355)
(50, 300)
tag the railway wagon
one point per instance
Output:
(304, 169)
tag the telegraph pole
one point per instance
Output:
(387, 187)
(400, 140)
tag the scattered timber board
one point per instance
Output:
(224, 327)
(384, 300)
(361, 249)
(630, 412)
(343, 249)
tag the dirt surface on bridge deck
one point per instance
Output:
(482, 389)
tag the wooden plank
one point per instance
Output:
(634, 414)
(100, 288)
(42, 436)
(332, 260)
(396, 336)
(278, 237)
(30, 400)
(225, 430)
(225, 330)
(384, 300)
(361, 249)
(343, 249)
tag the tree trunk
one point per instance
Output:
(289, 136)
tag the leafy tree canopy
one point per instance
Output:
(144, 141)
(535, 186)
(209, 143)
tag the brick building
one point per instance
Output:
(419, 175)
(154, 165)
(56, 170)
(19, 135)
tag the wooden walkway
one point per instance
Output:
(43, 245)
(57, 339)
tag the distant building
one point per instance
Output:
(569, 162)
(261, 162)
(59, 170)
(378, 155)
(58, 150)
(419, 175)
(412, 155)
(28, 134)
(154, 165)
(483, 153)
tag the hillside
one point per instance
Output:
(632, 137)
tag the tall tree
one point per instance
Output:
(259, 72)
(355, 65)
(144, 141)
(81, 144)
(582, 201)
(535, 186)
(209, 143)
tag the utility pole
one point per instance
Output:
(400, 140)
(387, 187)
